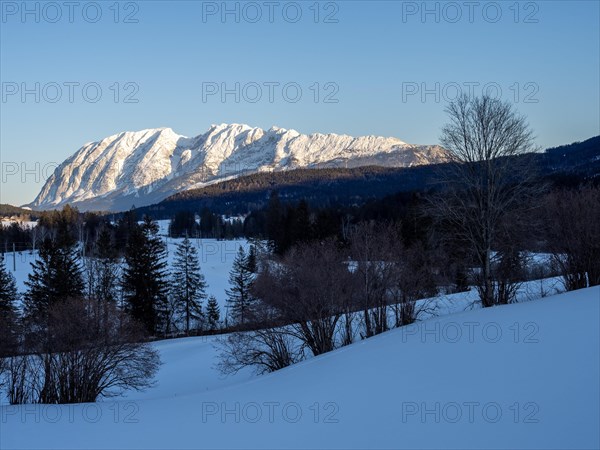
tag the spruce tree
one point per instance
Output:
(125, 225)
(8, 290)
(66, 225)
(240, 301)
(213, 313)
(252, 259)
(56, 275)
(188, 284)
(8, 314)
(145, 276)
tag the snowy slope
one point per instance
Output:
(146, 166)
(526, 377)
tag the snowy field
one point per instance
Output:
(216, 258)
(518, 376)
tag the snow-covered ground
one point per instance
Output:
(518, 376)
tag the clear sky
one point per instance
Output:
(75, 72)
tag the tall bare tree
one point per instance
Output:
(414, 281)
(309, 288)
(573, 234)
(490, 176)
(375, 251)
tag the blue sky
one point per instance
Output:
(92, 69)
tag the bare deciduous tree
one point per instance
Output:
(267, 350)
(309, 288)
(490, 176)
(414, 281)
(269, 347)
(375, 251)
(573, 221)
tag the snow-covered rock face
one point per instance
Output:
(144, 167)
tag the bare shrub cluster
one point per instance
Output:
(85, 353)
(321, 295)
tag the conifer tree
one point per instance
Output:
(8, 315)
(188, 283)
(252, 259)
(240, 301)
(213, 313)
(145, 275)
(8, 289)
(56, 275)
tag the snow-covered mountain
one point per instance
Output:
(144, 167)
